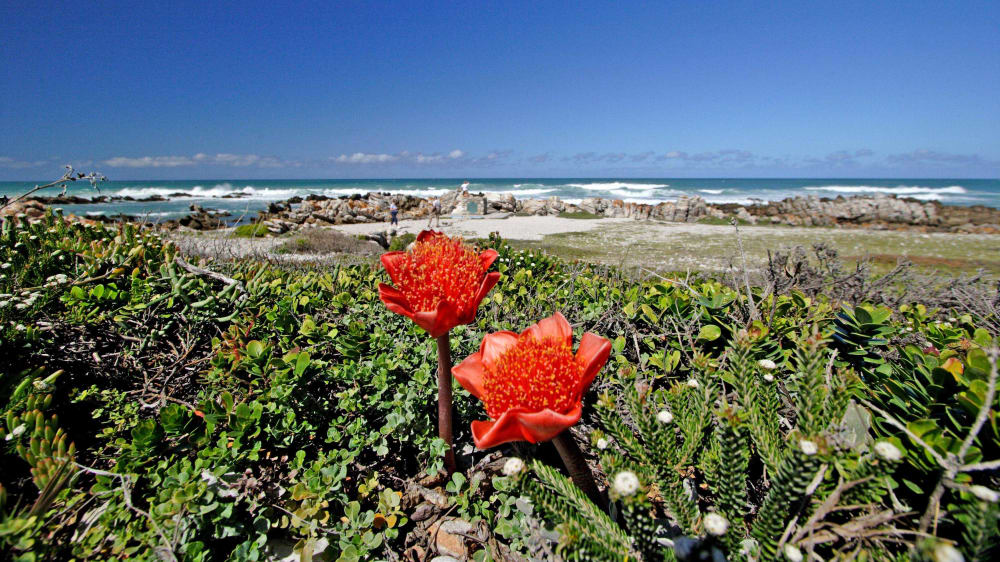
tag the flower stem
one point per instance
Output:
(572, 457)
(444, 399)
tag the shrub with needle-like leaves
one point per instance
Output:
(752, 457)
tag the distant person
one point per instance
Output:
(465, 189)
(394, 213)
(435, 213)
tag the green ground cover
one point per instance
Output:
(711, 247)
(157, 409)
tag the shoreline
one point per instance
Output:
(652, 245)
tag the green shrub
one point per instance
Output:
(256, 230)
(579, 215)
(401, 242)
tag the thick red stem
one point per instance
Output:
(444, 399)
(579, 472)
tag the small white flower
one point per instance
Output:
(947, 553)
(748, 547)
(808, 447)
(693, 383)
(769, 377)
(715, 524)
(20, 328)
(767, 364)
(3, 304)
(664, 417)
(888, 451)
(21, 306)
(32, 238)
(5, 266)
(513, 466)
(792, 553)
(626, 483)
(952, 319)
(602, 443)
(16, 432)
(984, 493)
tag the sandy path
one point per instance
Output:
(520, 228)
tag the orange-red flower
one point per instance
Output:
(531, 384)
(439, 284)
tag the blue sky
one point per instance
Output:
(178, 89)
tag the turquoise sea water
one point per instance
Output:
(254, 195)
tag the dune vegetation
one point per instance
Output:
(158, 407)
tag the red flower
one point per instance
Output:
(531, 384)
(439, 284)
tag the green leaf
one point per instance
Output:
(255, 349)
(301, 362)
(709, 332)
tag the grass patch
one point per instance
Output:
(326, 241)
(399, 243)
(579, 215)
(723, 222)
(250, 231)
(702, 247)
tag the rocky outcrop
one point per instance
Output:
(815, 211)
(877, 212)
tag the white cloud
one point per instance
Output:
(404, 156)
(8, 162)
(149, 162)
(220, 159)
(365, 158)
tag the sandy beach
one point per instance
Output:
(513, 227)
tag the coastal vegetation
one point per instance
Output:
(158, 405)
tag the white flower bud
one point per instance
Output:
(748, 547)
(715, 524)
(888, 451)
(792, 553)
(984, 493)
(769, 377)
(626, 483)
(602, 443)
(808, 447)
(946, 553)
(16, 432)
(693, 383)
(513, 466)
(664, 417)
(767, 364)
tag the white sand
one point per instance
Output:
(515, 228)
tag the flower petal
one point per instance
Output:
(592, 355)
(495, 344)
(438, 322)
(518, 425)
(555, 327)
(491, 279)
(546, 424)
(488, 257)
(391, 261)
(394, 300)
(469, 373)
(425, 234)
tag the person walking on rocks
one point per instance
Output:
(435, 213)
(393, 213)
(465, 189)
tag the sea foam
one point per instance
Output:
(899, 190)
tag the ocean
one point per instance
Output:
(243, 198)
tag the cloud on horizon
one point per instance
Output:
(221, 159)
(731, 161)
